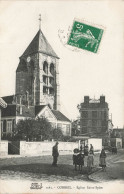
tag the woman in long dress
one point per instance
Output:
(102, 159)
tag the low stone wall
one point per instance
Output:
(45, 148)
(3, 148)
(97, 143)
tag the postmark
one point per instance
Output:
(85, 36)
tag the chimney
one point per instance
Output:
(86, 99)
(102, 99)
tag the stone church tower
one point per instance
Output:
(37, 75)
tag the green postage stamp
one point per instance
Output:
(85, 36)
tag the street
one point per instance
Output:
(39, 168)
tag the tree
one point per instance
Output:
(33, 129)
(57, 134)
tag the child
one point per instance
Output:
(80, 159)
(90, 161)
(75, 158)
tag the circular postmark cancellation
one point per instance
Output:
(82, 35)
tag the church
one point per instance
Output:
(37, 88)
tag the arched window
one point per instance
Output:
(52, 68)
(45, 67)
(51, 81)
(45, 79)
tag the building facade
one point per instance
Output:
(93, 116)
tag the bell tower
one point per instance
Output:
(37, 75)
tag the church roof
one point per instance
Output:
(39, 44)
(3, 104)
(14, 110)
(59, 116)
(38, 108)
(8, 99)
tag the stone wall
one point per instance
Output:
(45, 148)
(97, 143)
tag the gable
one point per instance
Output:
(47, 113)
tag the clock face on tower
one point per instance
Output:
(28, 59)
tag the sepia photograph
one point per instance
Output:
(62, 96)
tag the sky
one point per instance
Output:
(80, 72)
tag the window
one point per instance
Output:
(51, 91)
(84, 114)
(59, 125)
(52, 68)
(45, 90)
(94, 123)
(84, 122)
(45, 80)
(68, 129)
(51, 81)
(1, 126)
(94, 114)
(45, 67)
(9, 126)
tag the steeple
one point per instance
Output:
(39, 44)
(38, 73)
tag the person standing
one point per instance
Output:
(90, 161)
(102, 159)
(75, 158)
(86, 150)
(80, 159)
(55, 154)
(91, 149)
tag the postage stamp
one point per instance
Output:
(85, 36)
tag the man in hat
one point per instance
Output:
(55, 154)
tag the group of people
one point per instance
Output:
(79, 155)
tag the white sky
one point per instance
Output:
(81, 73)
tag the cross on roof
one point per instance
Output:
(39, 21)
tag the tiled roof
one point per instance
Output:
(14, 110)
(59, 116)
(3, 104)
(8, 99)
(9, 111)
(39, 44)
